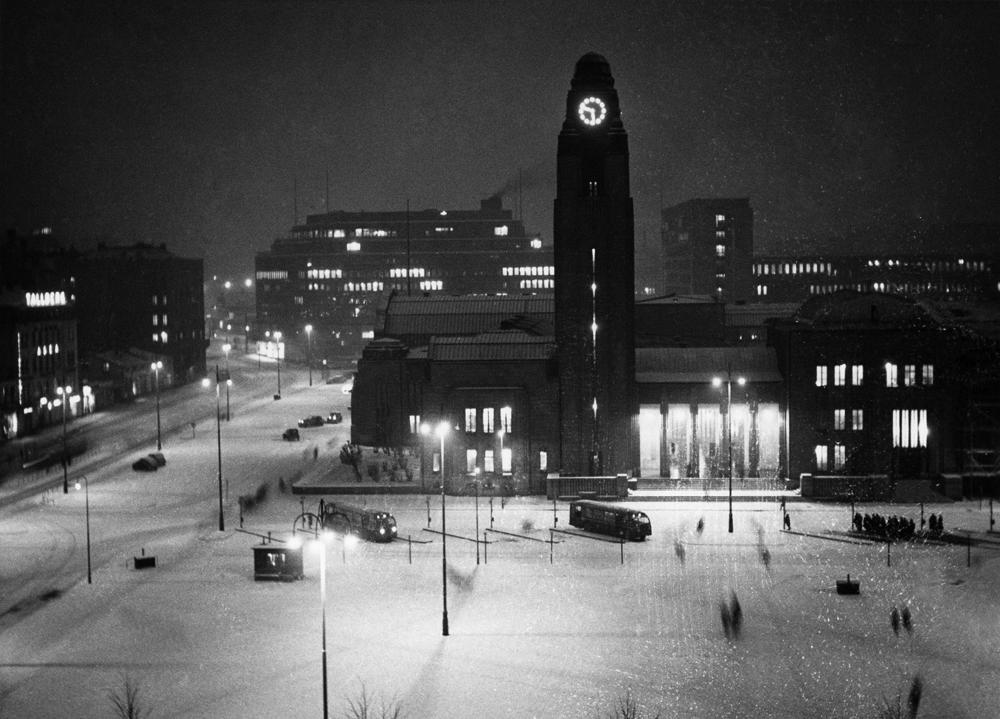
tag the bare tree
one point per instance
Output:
(363, 706)
(627, 708)
(125, 699)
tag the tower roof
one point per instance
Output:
(592, 71)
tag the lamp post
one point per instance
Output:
(309, 358)
(226, 348)
(86, 504)
(477, 514)
(322, 601)
(277, 357)
(441, 430)
(156, 367)
(717, 382)
(218, 435)
(63, 392)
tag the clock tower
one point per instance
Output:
(594, 289)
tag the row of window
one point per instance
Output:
(489, 461)
(537, 284)
(157, 321)
(528, 271)
(911, 373)
(909, 431)
(934, 265)
(483, 419)
(793, 268)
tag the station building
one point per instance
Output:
(865, 388)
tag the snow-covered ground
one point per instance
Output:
(536, 629)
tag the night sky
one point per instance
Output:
(190, 123)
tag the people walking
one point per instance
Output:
(894, 620)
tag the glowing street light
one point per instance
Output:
(717, 382)
(156, 367)
(277, 356)
(64, 393)
(441, 430)
(309, 359)
(218, 435)
(86, 504)
(226, 348)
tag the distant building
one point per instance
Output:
(333, 271)
(958, 262)
(38, 337)
(708, 248)
(143, 300)
(94, 321)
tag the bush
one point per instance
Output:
(363, 706)
(627, 708)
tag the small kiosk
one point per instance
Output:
(277, 562)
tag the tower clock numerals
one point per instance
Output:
(592, 111)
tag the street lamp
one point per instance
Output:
(86, 504)
(477, 514)
(717, 382)
(63, 392)
(309, 353)
(226, 348)
(218, 435)
(156, 367)
(441, 430)
(277, 356)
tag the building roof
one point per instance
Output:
(696, 365)
(466, 314)
(503, 346)
(757, 313)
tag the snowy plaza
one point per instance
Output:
(559, 629)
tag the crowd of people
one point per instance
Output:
(895, 527)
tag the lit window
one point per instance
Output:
(909, 375)
(891, 375)
(821, 456)
(488, 461)
(857, 419)
(470, 419)
(909, 428)
(354, 247)
(156, 337)
(543, 460)
(505, 419)
(156, 299)
(719, 219)
(156, 320)
(720, 250)
(339, 234)
(487, 419)
(163, 336)
(857, 374)
(164, 320)
(436, 462)
(821, 375)
(500, 231)
(414, 423)
(839, 375)
(839, 455)
(536, 244)
(470, 460)
(839, 418)
(928, 374)
(505, 459)
(720, 235)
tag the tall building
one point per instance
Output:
(708, 248)
(334, 271)
(594, 261)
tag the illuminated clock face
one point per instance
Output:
(592, 111)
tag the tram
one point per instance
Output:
(619, 520)
(371, 524)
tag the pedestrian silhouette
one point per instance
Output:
(765, 557)
(894, 620)
(727, 619)
(788, 521)
(907, 621)
(736, 615)
(315, 453)
(679, 550)
(701, 525)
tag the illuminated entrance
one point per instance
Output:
(689, 441)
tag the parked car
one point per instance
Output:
(290, 435)
(314, 421)
(334, 418)
(145, 464)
